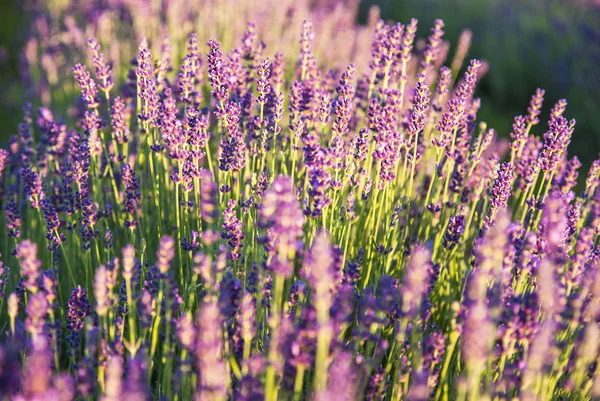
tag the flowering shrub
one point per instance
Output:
(243, 226)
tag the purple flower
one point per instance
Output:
(343, 106)
(212, 373)
(232, 230)
(415, 282)
(527, 165)
(501, 191)
(361, 144)
(78, 307)
(30, 265)
(132, 194)
(208, 199)
(478, 330)
(449, 122)
(307, 62)
(558, 109)
(120, 128)
(37, 311)
(567, 179)
(553, 224)
(113, 384)
(217, 72)
(441, 89)
(519, 133)
(320, 183)
(465, 89)
(407, 45)
(433, 45)
(418, 116)
(342, 380)
(136, 380)
(535, 106)
(32, 186)
(52, 223)
(3, 278)
(262, 83)
(101, 290)
(592, 180)
(37, 373)
(4, 156)
(148, 86)
(165, 254)
(318, 269)
(281, 215)
(556, 140)
(89, 92)
(186, 78)
(233, 152)
(102, 69)
(173, 135)
(454, 231)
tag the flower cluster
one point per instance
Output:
(295, 208)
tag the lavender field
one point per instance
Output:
(243, 200)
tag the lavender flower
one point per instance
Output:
(501, 191)
(164, 255)
(556, 141)
(233, 153)
(102, 69)
(113, 386)
(37, 311)
(307, 62)
(343, 107)
(212, 380)
(281, 215)
(78, 308)
(232, 231)
(217, 74)
(30, 265)
(120, 127)
(454, 231)
(342, 378)
(534, 109)
(433, 44)
(32, 186)
(101, 291)
(132, 195)
(147, 85)
(89, 92)
(415, 281)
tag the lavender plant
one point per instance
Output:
(239, 221)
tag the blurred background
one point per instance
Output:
(551, 44)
